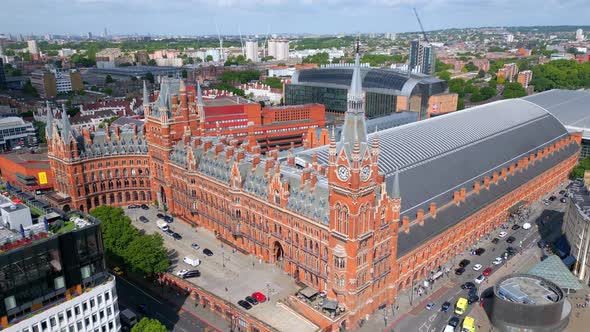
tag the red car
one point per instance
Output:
(259, 297)
(487, 271)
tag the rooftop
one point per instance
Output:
(134, 70)
(553, 269)
(528, 289)
(580, 196)
(12, 121)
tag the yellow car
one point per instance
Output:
(118, 271)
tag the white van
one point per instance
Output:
(194, 262)
(162, 224)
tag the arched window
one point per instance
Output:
(345, 217)
(338, 217)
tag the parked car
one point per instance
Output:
(497, 261)
(464, 263)
(430, 305)
(445, 306)
(502, 234)
(468, 285)
(169, 232)
(561, 192)
(552, 198)
(244, 304)
(132, 206)
(526, 225)
(159, 215)
(480, 251)
(510, 239)
(477, 267)
(251, 300)
(515, 227)
(192, 261)
(511, 250)
(145, 207)
(480, 279)
(143, 219)
(472, 299)
(563, 200)
(181, 273)
(454, 321)
(176, 236)
(495, 240)
(487, 271)
(207, 252)
(168, 219)
(192, 274)
(459, 271)
(259, 297)
(195, 246)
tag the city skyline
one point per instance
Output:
(278, 16)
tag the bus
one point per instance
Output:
(461, 306)
(468, 325)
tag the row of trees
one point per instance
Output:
(239, 77)
(561, 74)
(326, 42)
(124, 243)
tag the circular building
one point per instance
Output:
(523, 302)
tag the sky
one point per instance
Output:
(200, 17)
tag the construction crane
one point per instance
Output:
(421, 27)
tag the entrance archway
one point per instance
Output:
(163, 195)
(278, 252)
(66, 208)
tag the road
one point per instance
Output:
(175, 319)
(422, 320)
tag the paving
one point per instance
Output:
(229, 274)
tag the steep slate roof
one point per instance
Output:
(438, 156)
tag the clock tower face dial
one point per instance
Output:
(343, 173)
(365, 173)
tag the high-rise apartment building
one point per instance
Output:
(508, 72)
(89, 35)
(51, 82)
(279, 49)
(252, 50)
(509, 38)
(33, 49)
(2, 75)
(53, 280)
(422, 57)
(525, 77)
(580, 35)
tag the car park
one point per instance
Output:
(145, 207)
(430, 305)
(477, 267)
(195, 246)
(480, 251)
(454, 321)
(207, 252)
(515, 227)
(445, 306)
(510, 239)
(259, 297)
(480, 279)
(468, 285)
(244, 304)
(464, 263)
(143, 219)
(487, 271)
(502, 234)
(251, 300)
(495, 240)
(459, 271)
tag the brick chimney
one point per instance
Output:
(433, 209)
(240, 155)
(420, 216)
(504, 173)
(406, 224)
(457, 197)
(486, 182)
(495, 177)
(476, 186)
(463, 192)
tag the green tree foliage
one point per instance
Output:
(148, 77)
(108, 91)
(470, 67)
(460, 103)
(230, 88)
(234, 60)
(457, 85)
(481, 73)
(444, 75)
(152, 63)
(29, 89)
(149, 325)
(274, 82)
(184, 73)
(487, 92)
(513, 90)
(441, 66)
(561, 74)
(94, 88)
(268, 58)
(496, 49)
(321, 58)
(475, 96)
(143, 253)
(109, 79)
(376, 60)
(208, 58)
(82, 60)
(327, 42)
(580, 168)
(239, 77)
(40, 131)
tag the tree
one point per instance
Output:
(274, 82)
(282, 64)
(149, 325)
(475, 96)
(117, 231)
(470, 67)
(152, 62)
(460, 103)
(239, 77)
(148, 77)
(109, 79)
(513, 90)
(184, 73)
(29, 89)
(318, 58)
(94, 88)
(481, 73)
(487, 92)
(580, 168)
(209, 58)
(198, 60)
(146, 254)
(441, 66)
(268, 58)
(16, 72)
(444, 75)
(108, 91)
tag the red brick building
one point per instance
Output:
(362, 218)
(26, 170)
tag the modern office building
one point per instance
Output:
(525, 77)
(50, 83)
(33, 49)
(580, 35)
(279, 49)
(252, 50)
(15, 131)
(387, 90)
(422, 57)
(362, 218)
(576, 227)
(53, 280)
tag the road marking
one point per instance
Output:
(433, 317)
(139, 289)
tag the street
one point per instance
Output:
(546, 223)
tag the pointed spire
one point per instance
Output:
(146, 97)
(396, 194)
(356, 84)
(199, 95)
(66, 124)
(49, 124)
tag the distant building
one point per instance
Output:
(106, 58)
(252, 50)
(2, 75)
(64, 52)
(49, 83)
(263, 92)
(33, 49)
(509, 38)
(172, 62)
(562, 56)
(525, 77)
(15, 131)
(89, 35)
(508, 72)
(29, 171)
(422, 57)
(279, 49)
(576, 227)
(580, 35)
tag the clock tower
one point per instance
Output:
(359, 211)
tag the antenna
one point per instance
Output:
(220, 42)
(241, 41)
(421, 27)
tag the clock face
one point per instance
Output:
(365, 173)
(343, 173)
